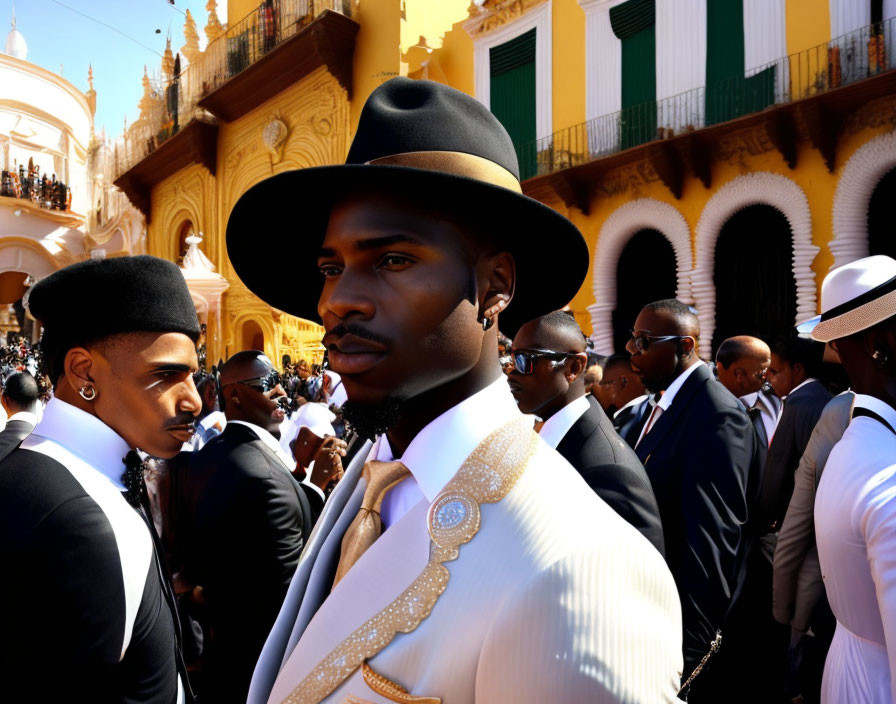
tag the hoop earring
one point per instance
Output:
(880, 357)
(88, 393)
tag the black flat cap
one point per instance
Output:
(413, 136)
(90, 300)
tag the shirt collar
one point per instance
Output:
(634, 402)
(799, 386)
(872, 403)
(437, 452)
(26, 416)
(669, 395)
(558, 425)
(269, 440)
(86, 436)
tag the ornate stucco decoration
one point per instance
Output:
(759, 188)
(274, 135)
(617, 230)
(858, 178)
(492, 14)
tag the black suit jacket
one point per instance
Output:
(802, 409)
(630, 422)
(698, 457)
(242, 523)
(12, 435)
(613, 471)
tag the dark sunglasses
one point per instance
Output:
(524, 360)
(262, 384)
(642, 342)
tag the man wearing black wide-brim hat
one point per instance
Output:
(89, 613)
(461, 559)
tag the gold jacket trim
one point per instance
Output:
(486, 476)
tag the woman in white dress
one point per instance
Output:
(855, 507)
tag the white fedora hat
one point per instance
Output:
(854, 297)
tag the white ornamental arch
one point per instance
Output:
(858, 179)
(622, 224)
(758, 188)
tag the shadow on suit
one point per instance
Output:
(13, 435)
(613, 471)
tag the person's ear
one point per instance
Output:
(77, 368)
(575, 367)
(798, 370)
(499, 286)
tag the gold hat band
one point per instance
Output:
(856, 320)
(455, 163)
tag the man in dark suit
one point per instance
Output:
(795, 363)
(19, 399)
(624, 398)
(548, 381)
(697, 447)
(242, 522)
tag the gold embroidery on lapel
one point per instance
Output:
(392, 691)
(486, 476)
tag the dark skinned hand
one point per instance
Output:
(327, 467)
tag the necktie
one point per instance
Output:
(367, 525)
(651, 421)
(133, 479)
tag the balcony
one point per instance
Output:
(266, 52)
(814, 89)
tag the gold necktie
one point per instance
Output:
(367, 526)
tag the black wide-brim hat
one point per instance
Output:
(413, 137)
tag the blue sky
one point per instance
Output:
(57, 36)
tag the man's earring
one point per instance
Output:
(88, 393)
(486, 323)
(880, 358)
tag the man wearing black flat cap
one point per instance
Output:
(460, 559)
(90, 614)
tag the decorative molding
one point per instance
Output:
(274, 134)
(538, 17)
(859, 177)
(758, 188)
(617, 230)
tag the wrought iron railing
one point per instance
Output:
(844, 60)
(175, 101)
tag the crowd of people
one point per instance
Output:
(441, 512)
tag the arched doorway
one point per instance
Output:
(253, 337)
(645, 272)
(881, 226)
(186, 229)
(753, 275)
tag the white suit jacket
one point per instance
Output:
(554, 598)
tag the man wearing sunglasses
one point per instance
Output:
(244, 523)
(548, 381)
(697, 447)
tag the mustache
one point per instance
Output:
(180, 420)
(344, 329)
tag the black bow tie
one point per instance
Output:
(133, 479)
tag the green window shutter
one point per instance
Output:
(728, 93)
(634, 23)
(512, 95)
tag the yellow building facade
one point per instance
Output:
(733, 191)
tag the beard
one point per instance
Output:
(371, 419)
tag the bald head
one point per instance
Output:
(556, 331)
(248, 364)
(742, 363)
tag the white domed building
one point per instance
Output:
(55, 208)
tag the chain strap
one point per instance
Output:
(713, 649)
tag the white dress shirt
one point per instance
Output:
(769, 415)
(634, 402)
(666, 399)
(855, 525)
(557, 426)
(271, 442)
(437, 451)
(26, 416)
